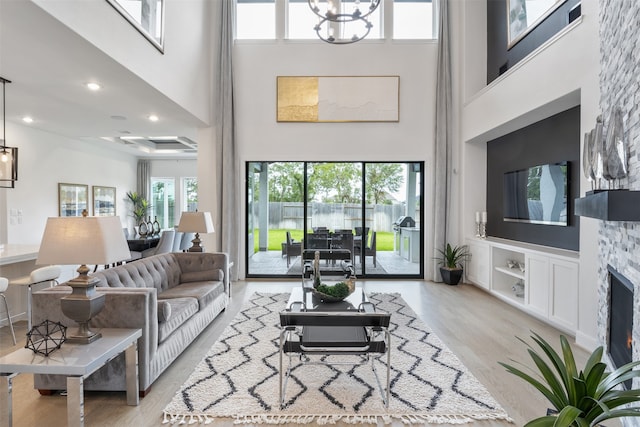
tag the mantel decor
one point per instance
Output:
(8, 155)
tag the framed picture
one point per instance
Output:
(72, 199)
(524, 15)
(147, 17)
(331, 99)
(104, 201)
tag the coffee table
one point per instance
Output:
(76, 362)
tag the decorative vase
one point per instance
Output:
(149, 226)
(142, 228)
(156, 226)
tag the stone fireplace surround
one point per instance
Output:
(619, 242)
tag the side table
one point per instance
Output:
(76, 362)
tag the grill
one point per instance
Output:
(403, 221)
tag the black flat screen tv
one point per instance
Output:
(537, 194)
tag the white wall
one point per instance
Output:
(560, 75)
(182, 72)
(44, 160)
(261, 138)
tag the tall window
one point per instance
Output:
(414, 19)
(256, 19)
(189, 194)
(301, 21)
(163, 197)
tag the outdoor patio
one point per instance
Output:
(387, 263)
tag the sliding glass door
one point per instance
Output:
(354, 206)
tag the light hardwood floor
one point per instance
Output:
(477, 327)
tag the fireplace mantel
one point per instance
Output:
(610, 205)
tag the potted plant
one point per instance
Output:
(450, 261)
(579, 398)
(139, 207)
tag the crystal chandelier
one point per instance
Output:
(343, 17)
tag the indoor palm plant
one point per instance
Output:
(139, 207)
(450, 260)
(580, 398)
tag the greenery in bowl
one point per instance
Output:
(581, 398)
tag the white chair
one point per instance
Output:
(164, 246)
(4, 284)
(177, 241)
(185, 243)
(39, 275)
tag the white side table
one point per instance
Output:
(76, 362)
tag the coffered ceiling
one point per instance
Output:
(49, 66)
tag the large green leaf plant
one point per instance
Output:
(581, 398)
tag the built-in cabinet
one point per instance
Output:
(540, 280)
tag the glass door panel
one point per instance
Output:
(334, 205)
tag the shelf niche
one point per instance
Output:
(610, 205)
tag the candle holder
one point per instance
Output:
(478, 229)
(483, 230)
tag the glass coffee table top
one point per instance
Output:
(312, 302)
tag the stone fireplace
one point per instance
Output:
(620, 329)
(619, 241)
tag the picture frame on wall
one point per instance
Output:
(525, 15)
(72, 199)
(104, 201)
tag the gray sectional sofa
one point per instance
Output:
(172, 297)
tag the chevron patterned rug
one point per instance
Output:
(238, 379)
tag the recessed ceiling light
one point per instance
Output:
(153, 118)
(27, 119)
(93, 86)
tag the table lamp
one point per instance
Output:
(83, 240)
(196, 222)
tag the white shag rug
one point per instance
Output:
(238, 379)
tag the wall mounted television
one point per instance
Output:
(537, 194)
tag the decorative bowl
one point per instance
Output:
(331, 298)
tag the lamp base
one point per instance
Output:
(196, 244)
(83, 304)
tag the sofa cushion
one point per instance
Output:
(204, 292)
(164, 311)
(181, 310)
(200, 276)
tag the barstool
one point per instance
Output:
(39, 275)
(4, 284)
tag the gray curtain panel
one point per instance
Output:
(442, 154)
(144, 177)
(226, 160)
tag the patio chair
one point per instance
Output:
(370, 250)
(343, 241)
(292, 248)
(363, 333)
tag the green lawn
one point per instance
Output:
(276, 237)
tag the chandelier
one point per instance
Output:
(343, 17)
(8, 155)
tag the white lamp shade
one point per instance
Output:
(83, 240)
(196, 222)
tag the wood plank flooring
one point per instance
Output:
(477, 327)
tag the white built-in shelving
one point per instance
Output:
(540, 280)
